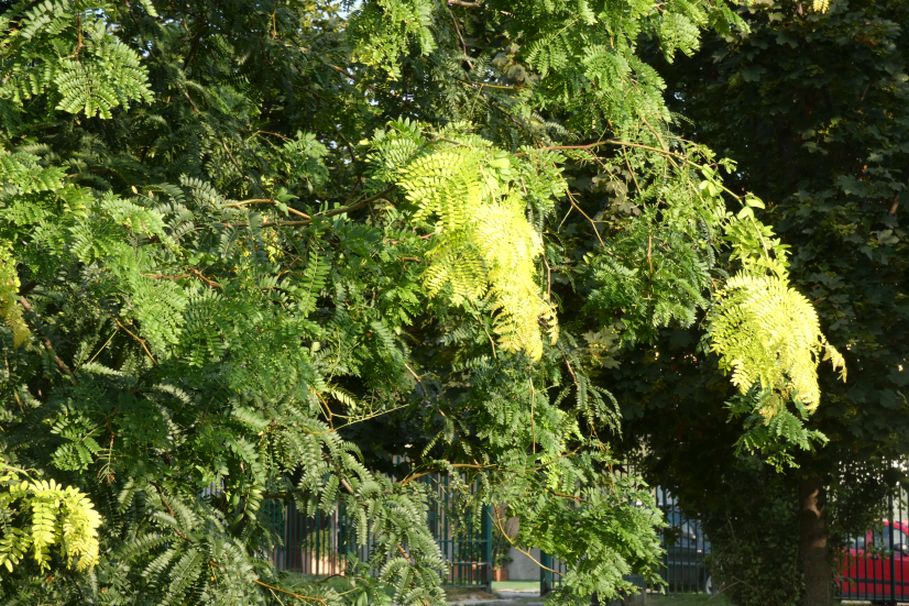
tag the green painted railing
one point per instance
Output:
(321, 544)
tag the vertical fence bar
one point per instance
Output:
(891, 550)
(487, 544)
(897, 521)
(546, 579)
(892, 555)
(343, 541)
(901, 506)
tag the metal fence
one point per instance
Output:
(310, 545)
(874, 564)
(551, 571)
(685, 548)
(685, 552)
(321, 544)
(464, 540)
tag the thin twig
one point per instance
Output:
(103, 347)
(298, 596)
(290, 209)
(650, 253)
(619, 143)
(369, 417)
(533, 414)
(192, 271)
(48, 345)
(593, 223)
(416, 475)
(358, 204)
(480, 84)
(501, 529)
(203, 277)
(139, 340)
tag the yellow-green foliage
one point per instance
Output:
(384, 31)
(10, 310)
(38, 515)
(768, 336)
(483, 247)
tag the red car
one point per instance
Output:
(876, 566)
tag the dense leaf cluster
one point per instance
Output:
(308, 251)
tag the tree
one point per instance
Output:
(242, 239)
(812, 106)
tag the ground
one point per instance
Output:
(519, 593)
(526, 593)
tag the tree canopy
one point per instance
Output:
(313, 250)
(812, 106)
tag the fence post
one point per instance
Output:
(487, 544)
(546, 578)
(345, 545)
(892, 555)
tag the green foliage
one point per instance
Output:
(595, 565)
(659, 241)
(10, 309)
(231, 300)
(755, 564)
(383, 32)
(66, 46)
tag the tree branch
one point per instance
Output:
(48, 345)
(251, 201)
(357, 204)
(297, 596)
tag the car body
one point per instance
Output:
(875, 565)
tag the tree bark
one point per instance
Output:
(813, 556)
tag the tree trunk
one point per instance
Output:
(813, 544)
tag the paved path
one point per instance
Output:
(504, 598)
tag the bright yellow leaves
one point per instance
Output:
(484, 250)
(57, 516)
(10, 310)
(768, 336)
